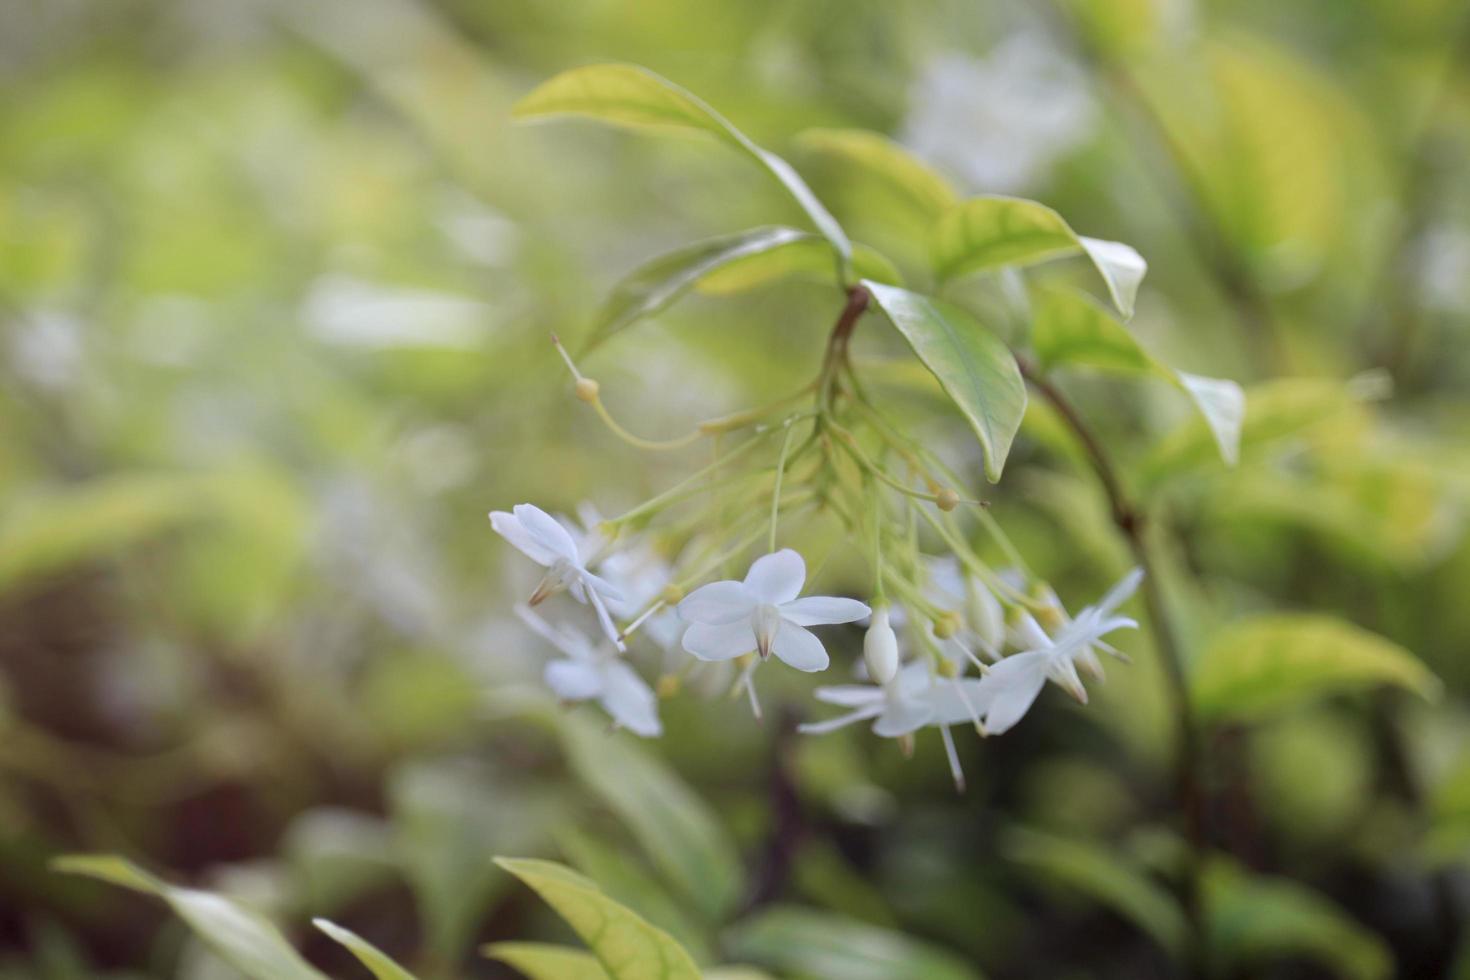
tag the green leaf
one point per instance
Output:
(808, 257)
(727, 264)
(1270, 663)
(624, 943)
(628, 95)
(674, 826)
(990, 232)
(923, 192)
(241, 937)
(974, 366)
(543, 961)
(795, 940)
(1069, 328)
(654, 285)
(1252, 918)
(1273, 411)
(378, 963)
(45, 534)
(1102, 875)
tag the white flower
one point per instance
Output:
(538, 536)
(591, 671)
(913, 699)
(1011, 686)
(983, 619)
(764, 614)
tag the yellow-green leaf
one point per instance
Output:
(1270, 663)
(626, 945)
(543, 961)
(380, 964)
(974, 365)
(628, 95)
(923, 193)
(804, 942)
(1104, 876)
(807, 257)
(990, 232)
(241, 937)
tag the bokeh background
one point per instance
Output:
(276, 284)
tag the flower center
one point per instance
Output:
(559, 574)
(766, 621)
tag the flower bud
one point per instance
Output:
(947, 499)
(987, 618)
(947, 668)
(880, 648)
(672, 594)
(668, 686)
(946, 625)
(587, 389)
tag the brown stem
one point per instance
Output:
(1131, 522)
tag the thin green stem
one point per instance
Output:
(776, 491)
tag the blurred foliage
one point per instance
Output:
(275, 286)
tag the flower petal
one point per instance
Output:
(841, 721)
(547, 531)
(777, 577)
(629, 700)
(959, 700)
(604, 619)
(1011, 687)
(570, 642)
(573, 680)
(798, 647)
(1120, 593)
(510, 528)
(850, 695)
(719, 641)
(601, 585)
(716, 603)
(821, 610)
(901, 716)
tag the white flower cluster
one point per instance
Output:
(764, 615)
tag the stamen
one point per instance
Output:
(955, 771)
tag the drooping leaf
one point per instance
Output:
(1070, 329)
(623, 942)
(808, 943)
(1105, 877)
(975, 367)
(809, 257)
(632, 96)
(680, 834)
(238, 935)
(1270, 663)
(544, 961)
(380, 964)
(991, 232)
(1251, 918)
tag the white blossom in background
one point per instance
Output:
(592, 671)
(538, 536)
(1443, 263)
(763, 614)
(47, 349)
(1000, 122)
(1012, 685)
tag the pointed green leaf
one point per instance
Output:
(623, 942)
(924, 193)
(1102, 875)
(653, 286)
(804, 942)
(628, 95)
(241, 937)
(679, 833)
(990, 232)
(974, 366)
(380, 964)
(1271, 663)
(1254, 918)
(1069, 328)
(808, 257)
(543, 961)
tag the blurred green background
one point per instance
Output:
(276, 282)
